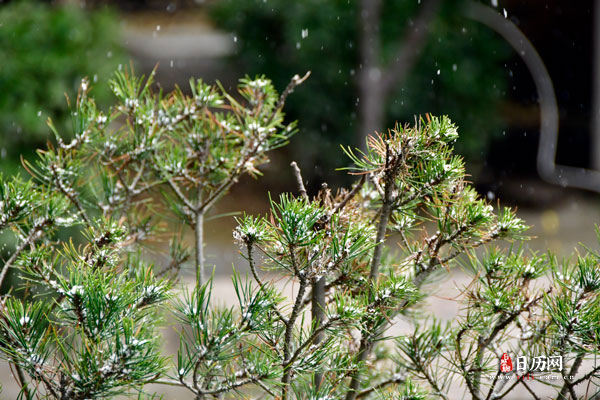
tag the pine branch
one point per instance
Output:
(587, 376)
(339, 206)
(33, 235)
(299, 180)
(68, 192)
(394, 380)
(535, 397)
(311, 339)
(182, 197)
(296, 80)
(568, 386)
(261, 284)
(318, 285)
(287, 372)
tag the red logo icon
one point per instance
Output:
(506, 364)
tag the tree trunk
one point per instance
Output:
(370, 102)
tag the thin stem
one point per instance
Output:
(180, 195)
(299, 180)
(69, 195)
(199, 231)
(318, 316)
(265, 388)
(317, 332)
(287, 371)
(587, 376)
(568, 385)
(484, 343)
(200, 393)
(363, 353)
(510, 388)
(296, 80)
(27, 242)
(233, 177)
(462, 362)
(386, 210)
(137, 177)
(234, 385)
(22, 381)
(381, 385)
(222, 189)
(535, 397)
(318, 285)
(170, 382)
(350, 195)
(381, 231)
(492, 389)
(252, 265)
(432, 382)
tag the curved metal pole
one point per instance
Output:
(546, 157)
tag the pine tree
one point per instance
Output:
(81, 320)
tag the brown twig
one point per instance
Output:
(296, 80)
(299, 180)
(339, 206)
(568, 385)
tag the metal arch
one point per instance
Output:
(546, 157)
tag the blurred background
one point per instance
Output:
(519, 77)
(373, 63)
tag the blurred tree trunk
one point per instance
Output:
(376, 81)
(370, 102)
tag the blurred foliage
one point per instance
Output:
(46, 50)
(469, 57)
